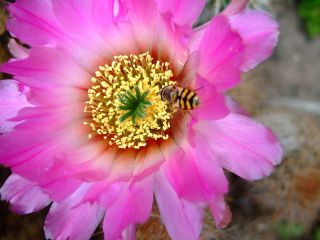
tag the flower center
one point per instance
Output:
(124, 101)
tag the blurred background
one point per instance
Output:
(284, 94)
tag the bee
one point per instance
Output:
(182, 98)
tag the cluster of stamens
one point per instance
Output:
(116, 113)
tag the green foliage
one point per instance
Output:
(212, 2)
(287, 231)
(317, 234)
(309, 10)
(135, 105)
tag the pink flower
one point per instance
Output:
(85, 125)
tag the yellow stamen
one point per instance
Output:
(125, 73)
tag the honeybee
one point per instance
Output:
(182, 98)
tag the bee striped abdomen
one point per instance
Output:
(187, 99)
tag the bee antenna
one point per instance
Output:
(198, 89)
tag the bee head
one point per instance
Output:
(173, 96)
(196, 101)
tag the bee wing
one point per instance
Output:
(187, 76)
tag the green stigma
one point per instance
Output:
(135, 105)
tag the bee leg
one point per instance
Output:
(190, 115)
(172, 107)
(184, 113)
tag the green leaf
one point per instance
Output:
(309, 11)
(287, 231)
(317, 233)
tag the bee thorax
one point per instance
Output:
(169, 94)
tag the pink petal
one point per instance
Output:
(53, 65)
(103, 193)
(155, 34)
(196, 37)
(220, 212)
(12, 100)
(187, 77)
(195, 175)
(39, 157)
(129, 233)
(133, 205)
(89, 15)
(182, 219)
(60, 189)
(43, 119)
(235, 7)
(33, 22)
(92, 162)
(95, 17)
(24, 196)
(70, 14)
(241, 145)
(17, 50)
(64, 83)
(234, 107)
(71, 219)
(57, 96)
(26, 138)
(221, 52)
(212, 103)
(148, 160)
(181, 122)
(33, 155)
(10, 153)
(184, 12)
(108, 18)
(123, 166)
(144, 18)
(259, 33)
(212, 109)
(60, 167)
